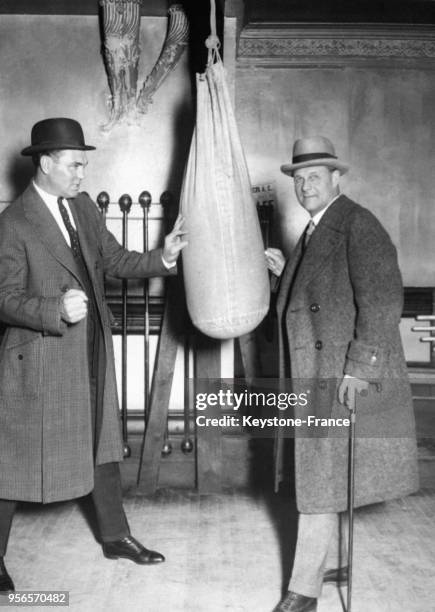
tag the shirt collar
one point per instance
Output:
(49, 198)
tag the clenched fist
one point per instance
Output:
(275, 260)
(74, 306)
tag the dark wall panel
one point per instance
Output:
(342, 11)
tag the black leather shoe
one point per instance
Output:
(337, 576)
(293, 602)
(6, 584)
(129, 548)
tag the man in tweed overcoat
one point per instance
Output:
(59, 417)
(339, 307)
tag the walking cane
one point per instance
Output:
(125, 205)
(351, 494)
(145, 202)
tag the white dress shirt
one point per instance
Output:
(50, 201)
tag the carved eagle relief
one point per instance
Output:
(121, 52)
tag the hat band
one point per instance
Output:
(299, 159)
(58, 145)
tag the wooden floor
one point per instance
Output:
(227, 552)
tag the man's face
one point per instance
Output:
(64, 171)
(315, 187)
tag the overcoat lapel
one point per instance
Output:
(323, 242)
(88, 246)
(87, 237)
(288, 275)
(46, 228)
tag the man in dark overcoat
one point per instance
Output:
(339, 306)
(59, 416)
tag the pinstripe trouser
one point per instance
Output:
(107, 499)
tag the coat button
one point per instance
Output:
(20, 357)
(314, 307)
(319, 345)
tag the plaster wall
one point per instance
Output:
(382, 123)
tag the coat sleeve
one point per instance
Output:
(378, 294)
(19, 306)
(119, 262)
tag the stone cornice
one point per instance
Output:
(290, 45)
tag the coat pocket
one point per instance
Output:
(20, 366)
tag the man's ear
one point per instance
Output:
(336, 178)
(45, 164)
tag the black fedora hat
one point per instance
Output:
(58, 133)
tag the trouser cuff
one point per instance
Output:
(305, 588)
(116, 537)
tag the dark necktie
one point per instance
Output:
(73, 236)
(308, 232)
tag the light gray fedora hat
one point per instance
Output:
(315, 151)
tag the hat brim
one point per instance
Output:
(55, 147)
(330, 163)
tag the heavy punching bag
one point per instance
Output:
(225, 274)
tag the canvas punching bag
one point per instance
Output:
(225, 273)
